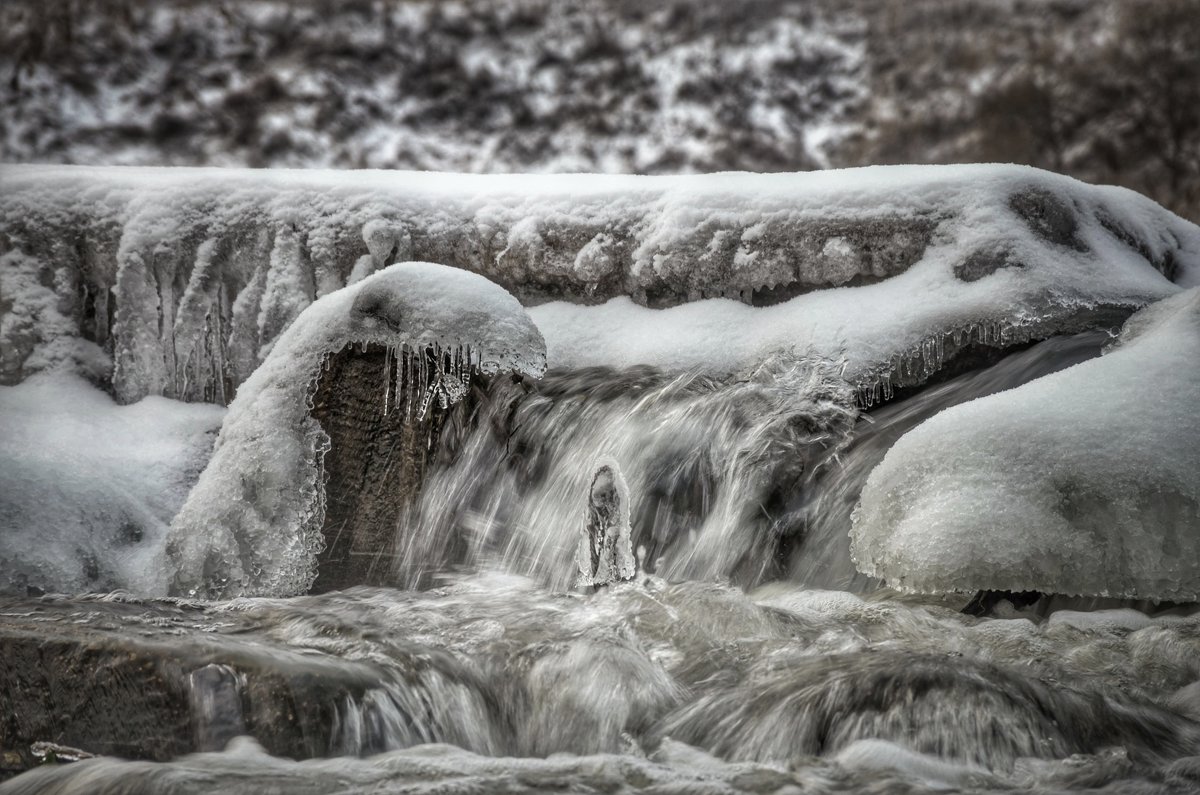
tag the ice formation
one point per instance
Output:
(605, 553)
(1081, 482)
(253, 522)
(187, 276)
(87, 487)
(35, 334)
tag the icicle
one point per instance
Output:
(401, 374)
(423, 377)
(387, 378)
(604, 554)
(407, 385)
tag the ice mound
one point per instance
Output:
(253, 522)
(87, 487)
(1080, 483)
(189, 275)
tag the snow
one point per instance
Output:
(1079, 483)
(37, 336)
(87, 487)
(888, 267)
(498, 86)
(253, 522)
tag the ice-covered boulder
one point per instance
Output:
(253, 523)
(187, 276)
(1082, 482)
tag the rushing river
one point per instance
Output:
(746, 655)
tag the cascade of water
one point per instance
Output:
(497, 667)
(707, 463)
(746, 479)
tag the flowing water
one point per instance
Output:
(745, 655)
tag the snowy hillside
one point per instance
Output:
(516, 85)
(1104, 91)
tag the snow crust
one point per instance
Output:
(890, 267)
(1079, 483)
(87, 487)
(252, 524)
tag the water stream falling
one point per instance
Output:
(747, 480)
(707, 463)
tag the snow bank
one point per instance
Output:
(188, 275)
(87, 487)
(1080, 483)
(253, 522)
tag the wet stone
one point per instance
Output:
(985, 262)
(1049, 217)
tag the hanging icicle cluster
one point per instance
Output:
(416, 377)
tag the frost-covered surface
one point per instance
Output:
(87, 487)
(253, 521)
(1081, 482)
(187, 276)
(37, 335)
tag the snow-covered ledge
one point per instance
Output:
(185, 277)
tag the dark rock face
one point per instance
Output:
(985, 262)
(155, 680)
(375, 465)
(61, 690)
(88, 686)
(1050, 218)
(382, 445)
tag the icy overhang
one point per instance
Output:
(253, 522)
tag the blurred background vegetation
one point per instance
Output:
(1104, 90)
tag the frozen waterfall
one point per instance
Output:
(730, 483)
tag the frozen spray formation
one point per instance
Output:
(1080, 482)
(186, 277)
(253, 522)
(605, 552)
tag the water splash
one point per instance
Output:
(707, 463)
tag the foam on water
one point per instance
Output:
(651, 682)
